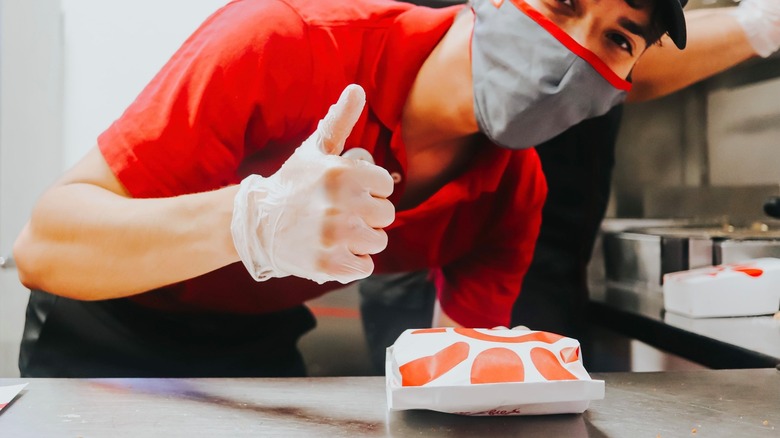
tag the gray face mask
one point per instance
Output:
(531, 80)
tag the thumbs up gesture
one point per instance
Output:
(320, 216)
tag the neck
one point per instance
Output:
(438, 123)
(439, 112)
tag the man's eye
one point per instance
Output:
(568, 3)
(622, 42)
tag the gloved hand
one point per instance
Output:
(760, 19)
(320, 215)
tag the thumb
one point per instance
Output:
(336, 126)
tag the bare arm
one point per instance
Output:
(716, 42)
(87, 239)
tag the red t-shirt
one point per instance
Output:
(251, 84)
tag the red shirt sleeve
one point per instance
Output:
(480, 289)
(224, 95)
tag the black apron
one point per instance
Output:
(119, 338)
(578, 167)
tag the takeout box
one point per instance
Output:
(742, 289)
(488, 372)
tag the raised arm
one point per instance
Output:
(716, 42)
(718, 39)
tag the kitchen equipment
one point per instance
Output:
(772, 206)
(638, 257)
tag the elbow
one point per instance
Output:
(38, 268)
(24, 258)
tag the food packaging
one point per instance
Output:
(488, 372)
(748, 288)
(8, 393)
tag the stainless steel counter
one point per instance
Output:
(742, 342)
(724, 403)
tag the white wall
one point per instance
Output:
(67, 69)
(30, 140)
(112, 49)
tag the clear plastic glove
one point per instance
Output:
(320, 216)
(517, 327)
(760, 19)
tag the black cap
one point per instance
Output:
(674, 20)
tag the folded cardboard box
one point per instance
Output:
(488, 372)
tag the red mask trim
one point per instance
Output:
(591, 58)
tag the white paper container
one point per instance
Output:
(741, 289)
(453, 392)
(8, 393)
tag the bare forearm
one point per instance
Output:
(86, 242)
(716, 42)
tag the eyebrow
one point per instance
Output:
(635, 28)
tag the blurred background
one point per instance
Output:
(68, 68)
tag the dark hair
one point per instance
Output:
(657, 27)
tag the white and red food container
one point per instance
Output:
(741, 289)
(488, 372)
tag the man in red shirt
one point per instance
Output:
(577, 165)
(134, 245)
